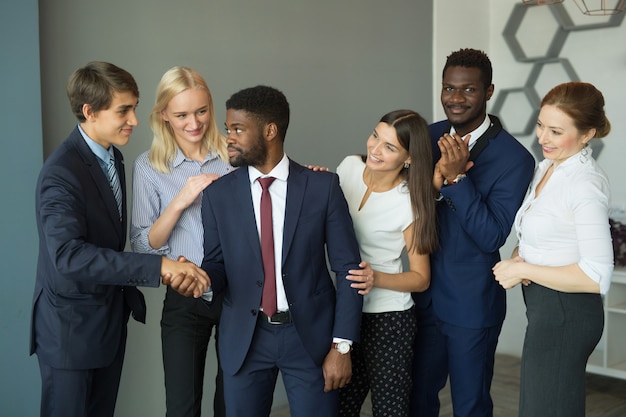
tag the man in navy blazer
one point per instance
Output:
(482, 173)
(86, 285)
(308, 339)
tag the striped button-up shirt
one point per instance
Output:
(153, 191)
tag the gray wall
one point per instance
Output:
(20, 161)
(342, 64)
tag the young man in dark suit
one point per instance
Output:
(482, 173)
(304, 327)
(86, 286)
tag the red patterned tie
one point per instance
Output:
(268, 302)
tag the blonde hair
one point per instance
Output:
(164, 146)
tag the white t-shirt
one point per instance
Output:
(379, 228)
(568, 223)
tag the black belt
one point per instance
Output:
(280, 317)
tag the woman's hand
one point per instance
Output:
(316, 168)
(507, 273)
(192, 189)
(363, 279)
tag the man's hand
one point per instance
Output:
(184, 277)
(337, 370)
(454, 156)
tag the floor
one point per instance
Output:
(606, 397)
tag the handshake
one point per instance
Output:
(184, 277)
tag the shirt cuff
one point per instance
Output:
(339, 339)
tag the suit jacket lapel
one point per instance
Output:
(102, 183)
(296, 186)
(483, 141)
(243, 199)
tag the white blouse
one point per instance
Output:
(379, 227)
(568, 222)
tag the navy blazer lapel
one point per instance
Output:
(296, 187)
(102, 182)
(483, 141)
(243, 200)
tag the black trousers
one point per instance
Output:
(381, 363)
(563, 329)
(81, 392)
(186, 327)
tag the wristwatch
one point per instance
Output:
(343, 347)
(457, 180)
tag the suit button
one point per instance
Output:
(259, 283)
(253, 312)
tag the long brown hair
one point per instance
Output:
(412, 132)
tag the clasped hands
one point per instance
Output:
(507, 275)
(184, 277)
(454, 158)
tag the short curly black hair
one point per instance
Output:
(471, 58)
(266, 104)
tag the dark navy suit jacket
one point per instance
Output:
(85, 286)
(316, 218)
(474, 219)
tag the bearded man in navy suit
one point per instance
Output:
(308, 338)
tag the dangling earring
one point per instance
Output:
(406, 165)
(584, 154)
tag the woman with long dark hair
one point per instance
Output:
(392, 203)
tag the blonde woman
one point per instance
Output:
(187, 154)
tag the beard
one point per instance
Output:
(256, 155)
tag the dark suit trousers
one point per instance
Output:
(186, 327)
(563, 329)
(81, 392)
(277, 347)
(465, 355)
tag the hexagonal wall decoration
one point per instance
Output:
(547, 66)
(515, 40)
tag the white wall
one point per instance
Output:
(457, 24)
(598, 56)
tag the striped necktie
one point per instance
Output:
(115, 185)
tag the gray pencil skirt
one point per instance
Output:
(563, 329)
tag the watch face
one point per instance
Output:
(343, 347)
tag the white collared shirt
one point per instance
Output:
(104, 155)
(476, 133)
(278, 192)
(568, 222)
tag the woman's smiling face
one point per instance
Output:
(558, 135)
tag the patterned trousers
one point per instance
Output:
(382, 363)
